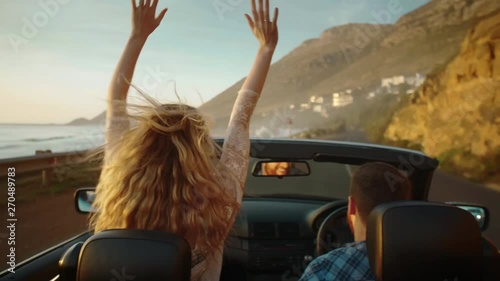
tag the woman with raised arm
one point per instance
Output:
(165, 172)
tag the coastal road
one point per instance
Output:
(446, 188)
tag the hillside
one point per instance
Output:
(436, 15)
(99, 119)
(360, 55)
(313, 61)
(79, 122)
(456, 114)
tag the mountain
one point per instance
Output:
(456, 114)
(309, 64)
(79, 122)
(359, 55)
(99, 119)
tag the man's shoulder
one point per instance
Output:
(347, 263)
(348, 250)
(349, 247)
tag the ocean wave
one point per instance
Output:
(47, 139)
(9, 146)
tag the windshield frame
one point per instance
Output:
(420, 168)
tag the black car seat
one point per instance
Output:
(491, 257)
(137, 255)
(417, 240)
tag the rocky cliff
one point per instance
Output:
(438, 15)
(456, 114)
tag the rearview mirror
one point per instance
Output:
(480, 213)
(281, 168)
(84, 199)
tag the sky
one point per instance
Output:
(57, 56)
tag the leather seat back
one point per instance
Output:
(136, 255)
(417, 240)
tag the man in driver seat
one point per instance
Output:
(371, 185)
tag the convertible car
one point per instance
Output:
(288, 219)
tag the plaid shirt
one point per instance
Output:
(349, 263)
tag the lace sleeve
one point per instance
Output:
(236, 149)
(116, 125)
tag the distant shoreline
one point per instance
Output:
(31, 124)
(97, 120)
(48, 124)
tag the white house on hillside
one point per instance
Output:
(341, 99)
(316, 99)
(305, 106)
(415, 80)
(393, 81)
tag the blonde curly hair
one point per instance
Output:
(164, 175)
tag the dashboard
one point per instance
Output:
(274, 234)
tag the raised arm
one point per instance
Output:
(144, 22)
(266, 32)
(236, 150)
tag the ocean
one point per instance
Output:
(24, 140)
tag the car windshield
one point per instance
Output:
(326, 181)
(421, 75)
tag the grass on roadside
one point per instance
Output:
(29, 187)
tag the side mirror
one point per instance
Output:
(480, 213)
(84, 199)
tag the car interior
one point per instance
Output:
(423, 248)
(285, 222)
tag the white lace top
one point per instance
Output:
(235, 155)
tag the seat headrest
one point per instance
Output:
(417, 240)
(68, 263)
(134, 255)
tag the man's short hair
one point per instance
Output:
(377, 183)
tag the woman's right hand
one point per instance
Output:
(144, 20)
(265, 31)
